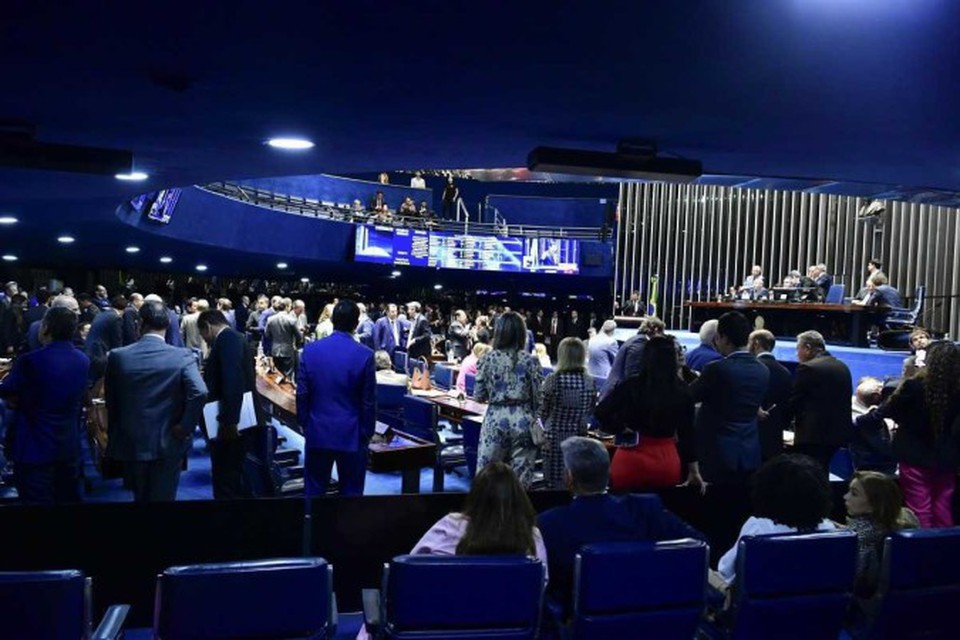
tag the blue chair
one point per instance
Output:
(53, 605)
(791, 586)
(421, 418)
(469, 382)
(389, 403)
(400, 362)
(835, 294)
(639, 590)
(919, 585)
(443, 597)
(443, 377)
(471, 442)
(284, 598)
(908, 317)
(841, 464)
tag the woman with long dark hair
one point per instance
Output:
(926, 444)
(509, 380)
(656, 405)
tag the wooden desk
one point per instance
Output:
(455, 410)
(281, 398)
(844, 324)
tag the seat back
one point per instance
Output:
(44, 604)
(663, 598)
(917, 307)
(433, 597)
(389, 403)
(835, 294)
(420, 417)
(469, 382)
(283, 598)
(794, 585)
(471, 426)
(919, 584)
(443, 376)
(400, 361)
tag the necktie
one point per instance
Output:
(393, 330)
(410, 334)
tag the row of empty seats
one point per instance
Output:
(788, 586)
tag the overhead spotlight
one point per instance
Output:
(133, 249)
(282, 265)
(201, 267)
(133, 176)
(166, 259)
(304, 280)
(10, 258)
(290, 144)
(8, 220)
(438, 286)
(395, 273)
(66, 239)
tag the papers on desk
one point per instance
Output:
(427, 393)
(248, 415)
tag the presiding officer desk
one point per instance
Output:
(843, 324)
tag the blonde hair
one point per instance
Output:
(327, 312)
(481, 349)
(571, 355)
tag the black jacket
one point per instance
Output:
(819, 404)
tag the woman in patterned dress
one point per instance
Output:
(509, 380)
(566, 402)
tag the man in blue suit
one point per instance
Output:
(154, 396)
(730, 392)
(365, 328)
(336, 405)
(388, 331)
(48, 387)
(596, 516)
(106, 334)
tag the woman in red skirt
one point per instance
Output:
(656, 408)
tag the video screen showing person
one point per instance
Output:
(162, 208)
(374, 244)
(551, 255)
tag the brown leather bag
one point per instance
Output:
(421, 379)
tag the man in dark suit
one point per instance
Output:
(775, 402)
(35, 314)
(419, 335)
(633, 307)
(48, 386)
(576, 327)
(627, 363)
(283, 336)
(387, 331)
(554, 333)
(819, 404)
(703, 354)
(228, 375)
(106, 334)
(596, 516)
(336, 405)
(823, 279)
(131, 319)
(458, 336)
(730, 392)
(154, 396)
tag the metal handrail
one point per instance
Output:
(343, 212)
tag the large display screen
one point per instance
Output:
(162, 208)
(450, 250)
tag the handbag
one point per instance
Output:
(420, 380)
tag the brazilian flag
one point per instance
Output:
(654, 297)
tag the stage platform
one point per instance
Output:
(862, 362)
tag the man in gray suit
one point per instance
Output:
(284, 336)
(602, 351)
(154, 396)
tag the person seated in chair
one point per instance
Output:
(596, 516)
(919, 341)
(385, 373)
(880, 293)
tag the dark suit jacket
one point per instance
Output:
(576, 328)
(458, 337)
(49, 385)
(627, 363)
(700, 356)
(820, 402)
(131, 325)
(229, 374)
(173, 337)
(915, 442)
(383, 336)
(283, 335)
(336, 393)
(633, 309)
(603, 518)
(553, 337)
(106, 334)
(730, 390)
(150, 387)
(420, 330)
(887, 296)
(824, 281)
(33, 314)
(778, 393)
(365, 331)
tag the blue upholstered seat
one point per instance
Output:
(792, 586)
(835, 294)
(53, 605)
(450, 597)
(389, 402)
(443, 376)
(639, 590)
(469, 381)
(284, 598)
(919, 591)
(400, 362)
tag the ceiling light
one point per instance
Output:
(66, 239)
(304, 280)
(133, 249)
(282, 265)
(201, 267)
(8, 220)
(166, 259)
(395, 274)
(10, 258)
(290, 144)
(438, 286)
(133, 176)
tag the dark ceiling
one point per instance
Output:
(852, 90)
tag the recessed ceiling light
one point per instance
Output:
(201, 267)
(438, 286)
(166, 259)
(8, 220)
(133, 176)
(133, 249)
(290, 144)
(304, 280)
(66, 239)
(282, 265)
(10, 258)
(395, 274)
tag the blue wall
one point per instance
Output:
(339, 190)
(552, 212)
